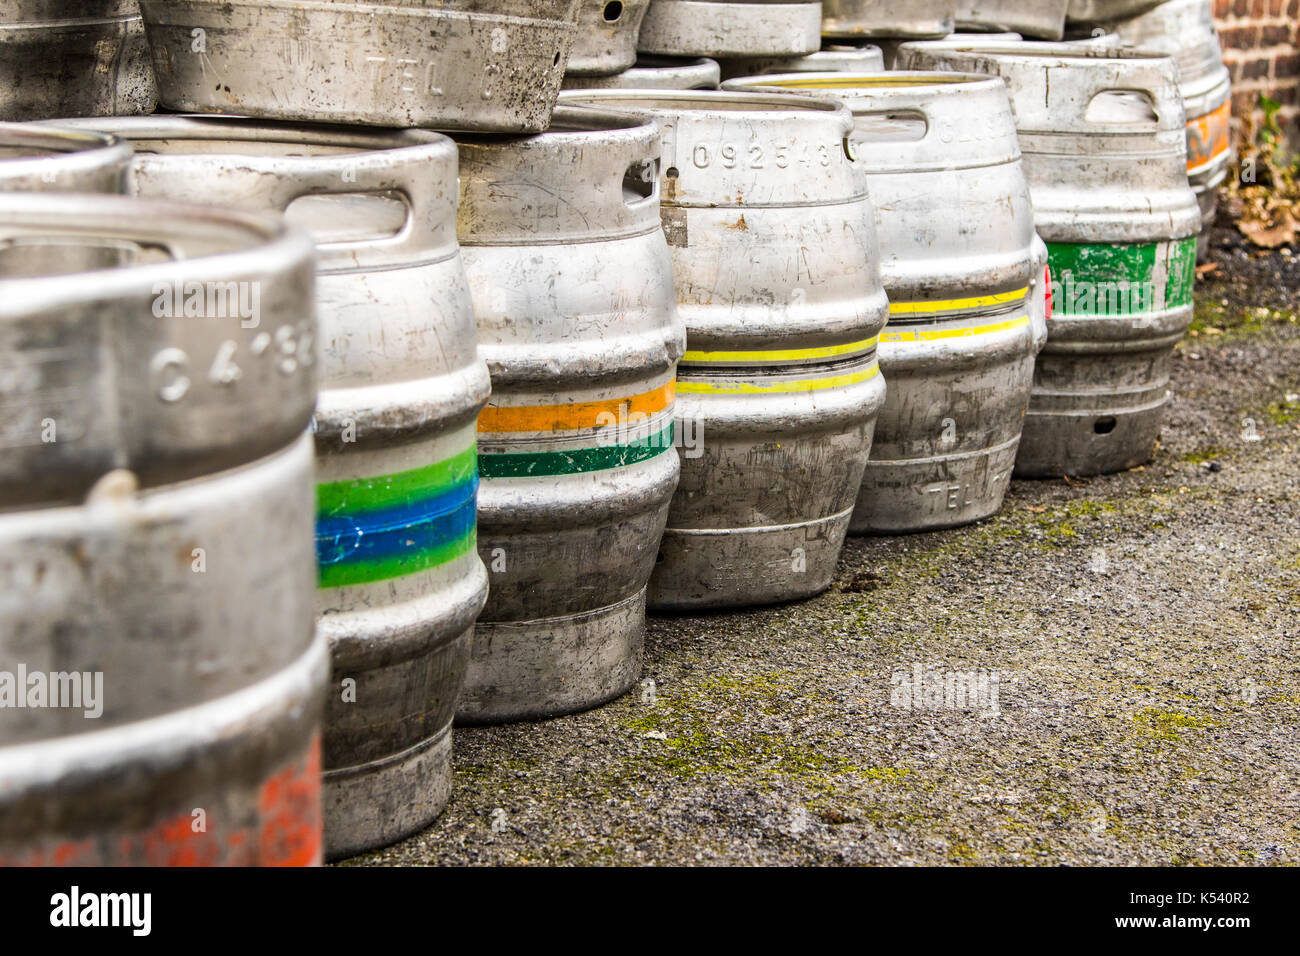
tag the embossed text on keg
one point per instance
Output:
(405, 73)
(57, 690)
(761, 155)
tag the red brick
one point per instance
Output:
(1221, 8)
(1275, 35)
(1286, 66)
(1256, 68)
(1241, 7)
(1239, 38)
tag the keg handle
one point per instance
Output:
(1154, 85)
(427, 211)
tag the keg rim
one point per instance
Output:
(703, 102)
(813, 83)
(260, 241)
(63, 143)
(344, 142)
(1045, 49)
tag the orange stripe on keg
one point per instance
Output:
(578, 415)
(1207, 137)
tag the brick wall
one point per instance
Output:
(1261, 46)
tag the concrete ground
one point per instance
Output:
(1142, 630)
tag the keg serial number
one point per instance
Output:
(290, 347)
(760, 155)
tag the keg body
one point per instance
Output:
(460, 64)
(74, 58)
(1042, 19)
(731, 28)
(606, 38)
(882, 18)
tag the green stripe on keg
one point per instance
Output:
(1132, 279)
(390, 526)
(573, 462)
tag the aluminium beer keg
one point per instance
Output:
(778, 281)
(1103, 140)
(160, 679)
(401, 385)
(959, 263)
(573, 289)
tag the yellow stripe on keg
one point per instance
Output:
(803, 385)
(571, 417)
(957, 305)
(934, 334)
(782, 355)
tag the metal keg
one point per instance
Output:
(456, 64)
(958, 261)
(1089, 12)
(778, 281)
(1035, 18)
(732, 28)
(606, 40)
(401, 386)
(47, 159)
(655, 73)
(1104, 146)
(887, 18)
(833, 57)
(573, 288)
(1184, 29)
(160, 680)
(73, 58)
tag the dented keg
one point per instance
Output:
(573, 288)
(956, 231)
(732, 28)
(48, 159)
(160, 679)
(777, 277)
(1036, 18)
(401, 384)
(459, 64)
(832, 57)
(1104, 146)
(1184, 29)
(887, 18)
(605, 42)
(655, 73)
(73, 58)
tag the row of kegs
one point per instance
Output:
(323, 430)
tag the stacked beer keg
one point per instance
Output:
(394, 397)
